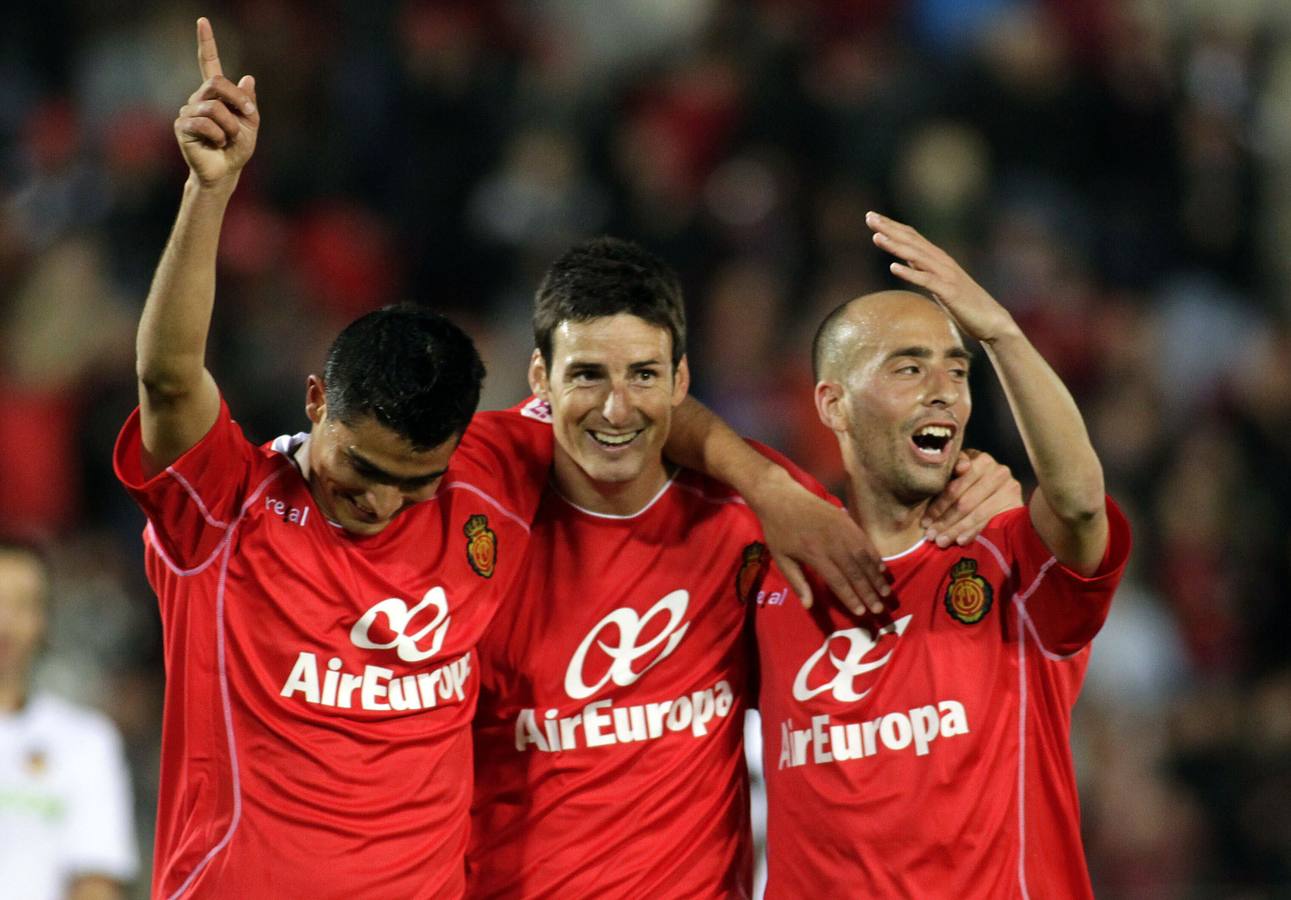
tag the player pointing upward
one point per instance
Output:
(320, 596)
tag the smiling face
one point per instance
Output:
(364, 474)
(612, 390)
(897, 394)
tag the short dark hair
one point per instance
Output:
(824, 343)
(411, 369)
(607, 276)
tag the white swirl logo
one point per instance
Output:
(843, 683)
(396, 611)
(626, 651)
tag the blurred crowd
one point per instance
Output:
(1117, 172)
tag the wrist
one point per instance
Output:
(1007, 332)
(219, 188)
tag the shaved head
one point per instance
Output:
(853, 324)
(889, 367)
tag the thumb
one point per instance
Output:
(248, 84)
(793, 574)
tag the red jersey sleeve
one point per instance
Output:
(507, 453)
(191, 503)
(1065, 609)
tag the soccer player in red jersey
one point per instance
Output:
(614, 686)
(322, 595)
(925, 752)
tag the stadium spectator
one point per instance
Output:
(66, 810)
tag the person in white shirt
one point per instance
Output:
(66, 819)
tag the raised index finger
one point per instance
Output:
(208, 57)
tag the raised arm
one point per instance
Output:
(1068, 508)
(216, 130)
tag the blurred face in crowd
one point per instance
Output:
(23, 588)
(364, 474)
(612, 389)
(896, 393)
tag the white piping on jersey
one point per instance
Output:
(150, 535)
(1005, 569)
(192, 492)
(183, 573)
(907, 551)
(467, 486)
(226, 546)
(236, 817)
(1030, 624)
(600, 515)
(1022, 752)
(1025, 626)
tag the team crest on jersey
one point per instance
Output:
(481, 545)
(969, 595)
(752, 570)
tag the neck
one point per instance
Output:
(612, 498)
(891, 523)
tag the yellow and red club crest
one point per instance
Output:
(753, 569)
(481, 545)
(969, 595)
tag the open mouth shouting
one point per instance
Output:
(932, 441)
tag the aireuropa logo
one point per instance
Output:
(847, 668)
(629, 648)
(415, 635)
(421, 644)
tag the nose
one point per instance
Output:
(943, 389)
(617, 409)
(383, 500)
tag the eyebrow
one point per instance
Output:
(927, 353)
(590, 366)
(376, 473)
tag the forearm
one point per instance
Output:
(178, 399)
(699, 439)
(799, 527)
(171, 342)
(1066, 467)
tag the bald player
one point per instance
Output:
(925, 752)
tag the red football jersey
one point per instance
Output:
(608, 740)
(927, 753)
(320, 686)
